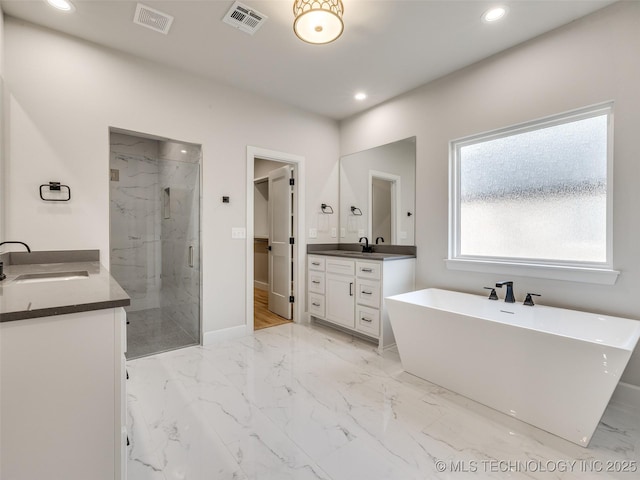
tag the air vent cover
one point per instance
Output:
(244, 18)
(152, 18)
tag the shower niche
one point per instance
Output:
(155, 239)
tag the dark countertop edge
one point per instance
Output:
(364, 256)
(399, 252)
(49, 256)
(410, 250)
(63, 310)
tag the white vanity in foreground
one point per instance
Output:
(62, 344)
(347, 289)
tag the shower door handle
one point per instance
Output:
(191, 256)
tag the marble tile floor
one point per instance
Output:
(307, 402)
(152, 331)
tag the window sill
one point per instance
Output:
(600, 276)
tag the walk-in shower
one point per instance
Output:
(155, 239)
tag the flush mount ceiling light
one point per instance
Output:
(494, 14)
(360, 96)
(318, 21)
(63, 5)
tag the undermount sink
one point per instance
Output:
(51, 276)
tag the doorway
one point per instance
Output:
(155, 239)
(273, 221)
(384, 206)
(275, 244)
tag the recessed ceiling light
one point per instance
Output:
(493, 14)
(63, 5)
(183, 151)
(360, 96)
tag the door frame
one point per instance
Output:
(396, 202)
(300, 246)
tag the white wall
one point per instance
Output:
(592, 60)
(65, 94)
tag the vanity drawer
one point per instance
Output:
(316, 305)
(316, 263)
(341, 266)
(368, 320)
(316, 282)
(368, 292)
(368, 270)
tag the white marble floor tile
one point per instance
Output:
(307, 402)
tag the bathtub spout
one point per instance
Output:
(509, 298)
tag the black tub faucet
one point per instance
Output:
(509, 298)
(493, 295)
(366, 248)
(529, 301)
(21, 243)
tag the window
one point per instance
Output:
(536, 194)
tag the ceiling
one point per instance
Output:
(388, 46)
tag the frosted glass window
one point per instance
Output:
(535, 193)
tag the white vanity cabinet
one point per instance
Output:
(62, 418)
(350, 292)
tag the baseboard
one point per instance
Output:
(261, 285)
(216, 336)
(627, 396)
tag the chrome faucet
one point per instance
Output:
(21, 243)
(366, 248)
(509, 298)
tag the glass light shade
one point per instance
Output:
(318, 21)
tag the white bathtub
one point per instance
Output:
(553, 368)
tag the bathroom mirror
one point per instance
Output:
(377, 194)
(2, 168)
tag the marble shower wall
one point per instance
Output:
(154, 220)
(135, 219)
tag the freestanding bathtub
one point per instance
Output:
(553, 368)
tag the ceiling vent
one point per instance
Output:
(152, 18)
(244, 18)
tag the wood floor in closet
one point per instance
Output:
(262, 317)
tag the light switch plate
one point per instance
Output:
(343, 232)
(361, 233)
(238, 232)
(334, 232)
(313, 233)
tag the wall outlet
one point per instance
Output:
(361, 233)
(403, 235)
(313, 233)
(334, 232)
(343, 232)
(238, 232)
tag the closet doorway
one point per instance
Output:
(273, 227)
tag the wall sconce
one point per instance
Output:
(326, 209)
(356, 211)
(318, 21)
